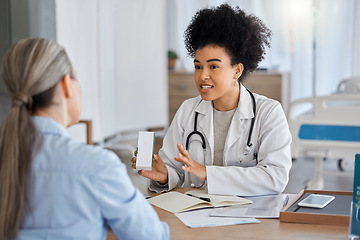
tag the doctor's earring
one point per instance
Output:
(236, 83)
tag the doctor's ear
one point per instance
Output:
(239, 68)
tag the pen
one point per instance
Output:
(202, 198)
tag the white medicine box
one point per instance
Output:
(145, 150)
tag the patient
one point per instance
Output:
(51, 186)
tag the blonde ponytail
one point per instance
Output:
(31, 69)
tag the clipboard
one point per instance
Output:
(336, 213)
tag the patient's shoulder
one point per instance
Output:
(67, 154)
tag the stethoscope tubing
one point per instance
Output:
(248, 143)
(195, 132)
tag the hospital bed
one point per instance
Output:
(325, 127)
(351, 85)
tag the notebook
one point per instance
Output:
(176, 202)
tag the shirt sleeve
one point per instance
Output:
(123, 206)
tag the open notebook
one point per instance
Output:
(176, 202)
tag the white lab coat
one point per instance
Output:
(241, 174)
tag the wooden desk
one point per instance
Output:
(266, 229)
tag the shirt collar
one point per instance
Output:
(244, 109)
(245, 106)
(47, 125)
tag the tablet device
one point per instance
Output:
(316, 201)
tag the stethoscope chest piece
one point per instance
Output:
(194, 186)
(248, 149)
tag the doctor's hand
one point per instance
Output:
(191, 166)
(159, 171)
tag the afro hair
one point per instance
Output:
(243, 36)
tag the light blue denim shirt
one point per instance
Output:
(76, 191)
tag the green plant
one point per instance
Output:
(172, 55)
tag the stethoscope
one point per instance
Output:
(249, 145)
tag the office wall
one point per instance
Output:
(4, 34)
(32, 18)
(23, 19)
(118, 49)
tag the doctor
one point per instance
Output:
(228, 140)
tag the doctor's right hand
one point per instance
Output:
(159, 171)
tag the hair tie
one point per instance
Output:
(22, 99)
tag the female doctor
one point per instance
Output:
(228, 140)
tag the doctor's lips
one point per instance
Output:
(204, 86)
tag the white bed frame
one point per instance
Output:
(319, 133)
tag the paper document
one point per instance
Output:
(201, 218)
(176, 202)
(263, 207)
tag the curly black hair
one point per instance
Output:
(243, 36)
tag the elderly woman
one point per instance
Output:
(51, 186)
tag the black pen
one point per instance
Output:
(202, 198)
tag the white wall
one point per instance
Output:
(118, 49)
(296, 25)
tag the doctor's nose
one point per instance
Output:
(204, 76)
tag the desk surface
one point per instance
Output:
(266, 229)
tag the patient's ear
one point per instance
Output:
(67, 87)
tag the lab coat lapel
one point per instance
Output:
(205, 122)
(237, 126)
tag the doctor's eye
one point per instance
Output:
(213, 67)
(197, 67)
